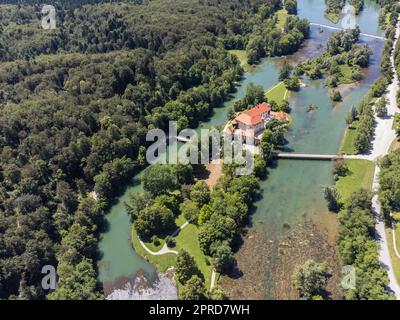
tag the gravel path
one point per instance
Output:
(163, 250)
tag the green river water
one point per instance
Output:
(293, 188)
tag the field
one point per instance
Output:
(347, 146)
(360, 175)
(277, 93)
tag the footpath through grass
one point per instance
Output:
(360, 175)
(277, 93)
(162, 263)
(187, 239)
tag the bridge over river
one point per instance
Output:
(323, 156)
(340, 29)
(307, 156)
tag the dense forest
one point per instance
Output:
(77, 102)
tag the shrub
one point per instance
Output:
(170, 241)
(335, 96)
(155, 240)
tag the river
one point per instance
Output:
(291, 195)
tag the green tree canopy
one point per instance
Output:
(310, 279)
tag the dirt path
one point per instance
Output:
(215, 169)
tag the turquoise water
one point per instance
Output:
(293, 188)
(313, 10)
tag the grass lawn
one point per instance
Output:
(188, 239)
(153, 247)
(162, 263)
(242, 56)
(180, 220)
(360, 175)
(347, 146)
(282, 14)
(333, 17)
(389, 234)
(277, 93)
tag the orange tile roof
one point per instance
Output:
(253, 116)
(281, 116)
